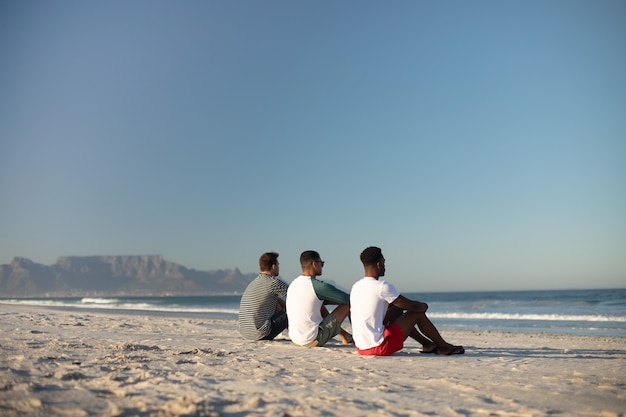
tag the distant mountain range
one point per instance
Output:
(115, 275)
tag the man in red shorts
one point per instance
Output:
(382, 318)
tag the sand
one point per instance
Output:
(84, 363)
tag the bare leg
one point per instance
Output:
(408, 321)
(393, 315)
(429, 329)
(341, 312)
(407, 324)
(428, 346)
(346, 338)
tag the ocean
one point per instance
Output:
(578, 312)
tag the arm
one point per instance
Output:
(329, 293)
(410, 305)
(279, 288)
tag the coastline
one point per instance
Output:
(592, 312)
(56, 362)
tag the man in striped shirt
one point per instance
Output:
(262, 312)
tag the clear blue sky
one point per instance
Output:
(481, 144)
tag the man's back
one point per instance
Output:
(369, 299)
(303, 310)
(258, 304)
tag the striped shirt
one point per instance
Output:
(258, 304)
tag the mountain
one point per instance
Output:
(115, 275)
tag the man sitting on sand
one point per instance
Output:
(310, 323)
(382, 318)
(262, 314)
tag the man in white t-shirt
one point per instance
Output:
(382, 318)
(310, 323)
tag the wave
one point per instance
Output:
(534, 317)
(231, 308)
(114, 304)
(88, 300)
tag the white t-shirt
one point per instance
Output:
(305, 297)
(369, 299)
(303, 311)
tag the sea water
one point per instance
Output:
(580, 312)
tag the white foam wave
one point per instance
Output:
(88, 300)
(109, 304)
(117, 304)
(47, 303)
(537, 317)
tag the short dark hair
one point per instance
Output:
(371, 255)
(308, 257)
(267, 260)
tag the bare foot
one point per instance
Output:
(346, 338)
(429, 348)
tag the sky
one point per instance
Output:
(481, 145)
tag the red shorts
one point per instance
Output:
(393, 342)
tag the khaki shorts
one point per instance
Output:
(328, 328)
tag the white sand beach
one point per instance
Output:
(84, 363)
